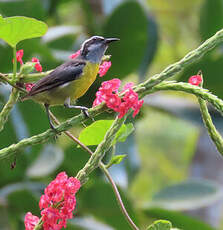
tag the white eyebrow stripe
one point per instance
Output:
(89, 40)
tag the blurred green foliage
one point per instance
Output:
(153, 34)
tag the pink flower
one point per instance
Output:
(137, 107)
(50, 217)
(29, 86)
(34, 59)
(19, 55)
(113, 102)
(72, 56)
(195, 80)
(108, 93)
(30, 221)
(103, 68)
(38, 66)
(130, 97)
(110, 86)
(127, 86)
(123, 109)
(57, 203)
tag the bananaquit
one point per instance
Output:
(71, 80)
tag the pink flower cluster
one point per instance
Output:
(195, 80)
(19, 55)
(57, 204)
(108, 93)
(103, 68)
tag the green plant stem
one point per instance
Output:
(102, 148)
(191, 57)
(188, 88)
(45, 136)
(5, 79)
(13, 96)
(106, 172)
(213, 132)
(143, 89)
(8, 107)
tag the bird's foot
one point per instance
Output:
(84, 110)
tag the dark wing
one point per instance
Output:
(64, 73)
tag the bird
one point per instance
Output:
(70, 80)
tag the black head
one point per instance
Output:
(94, 48)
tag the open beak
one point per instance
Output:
(109, 40)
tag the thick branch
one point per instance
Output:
(8, 107)
(142, 89)
(213, 132)
(102, 148)
(103, 168)
(191, 57)
(44, 137)
(188, 88)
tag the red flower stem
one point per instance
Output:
(106, 172)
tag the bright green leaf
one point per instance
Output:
(116, 160)
(124, 132)
(94, 133)
(18, 28)
(160, 225)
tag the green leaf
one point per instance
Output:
(94, 133)
(187, 195)
(178, 220)
(116, 160)
(160, 225)
(124, 132)
(133, 36)
(18, 28)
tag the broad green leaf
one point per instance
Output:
(160, 225)
(116, 160)
(129, 23)
(178, 220)
(18, 28)
(187, 195)
(27, 8)
(94, 133)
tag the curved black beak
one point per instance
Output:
(109, 40)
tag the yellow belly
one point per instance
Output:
(72, 90)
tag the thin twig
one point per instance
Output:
(103, 168)
(143, 89)
(2, 76)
